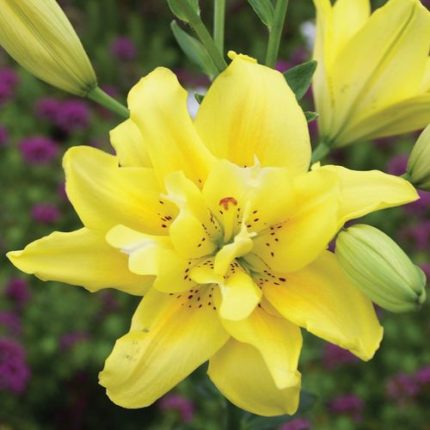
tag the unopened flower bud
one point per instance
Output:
(419, 162)
(38, 35)
(380, 269)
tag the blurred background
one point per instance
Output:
(54, 338)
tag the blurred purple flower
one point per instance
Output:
(348, 404)
(14, 371)
(11, 322)
(334, 356)
(38, 150)
(180, 404)
(73, 115)
(47, 109)
(402, 387)
(397, 165)
(421, 206)
(283, 65)
(18, 291)
(417, 235)
(69, 340)
(296, 424)
(124, 49)
(8, 82)
(109, 303)
(422, 376)
(426, 269)
(45, 213)
(3, 136)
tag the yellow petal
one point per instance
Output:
(278, 341)
(167, 341)
(305, 233)
(158, 106)
(240, 373)
(249, 111)
(154, 255)
(365, 192)
(321, 299)
(129, 145)
(193, 232)
(366, 80)
(402, 117)
(105, 195)
(240, 296)
(425, 85)
(82, 258)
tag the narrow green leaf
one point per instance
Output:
(199, 98)
(311, 116)
(194, 50)
(175, 7)
(299, 78)
(264, 10)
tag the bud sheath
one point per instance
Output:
(419, 161)
(380, 269)
(38, 35)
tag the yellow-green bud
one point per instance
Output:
(380, 268)
(419, 162)
(38, 35)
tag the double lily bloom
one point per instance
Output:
(222, 228)
(373, 75)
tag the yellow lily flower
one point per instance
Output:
(220, 224)
(373, 74)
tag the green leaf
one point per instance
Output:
(194, 50)
(175, 7)
(299, 78)
(199, 98)
(253, 422)
(264, 10)
(311, 116)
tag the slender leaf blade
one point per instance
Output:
(264, 10)
(193, 49)
(175, 7)
(299, 78)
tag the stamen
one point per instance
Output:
(225, 202)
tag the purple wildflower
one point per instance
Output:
(45, 213)
(421, 206)
(348, 404)
(296, 424)
(18, 291)
(8, 82)
(47, 109)
(69, 340)
(422, 376)
(180, 404)
(124, 49)
(73, 115)
(3, 136)
(402, 387)
(11, 323)
(397, 165)
(334, 356)
(38, 150)
(14, 371)
(418, 235)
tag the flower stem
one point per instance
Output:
(203, 34)
(322, 149)
(219, 24)
(99, 96)
(276, 32)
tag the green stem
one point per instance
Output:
(203, 34)
(219, 24)
(276, 32)
(99, 96)
(233, 417)
(322, 149)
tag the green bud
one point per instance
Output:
(419, 162)
(38, 35)
(380, 268)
